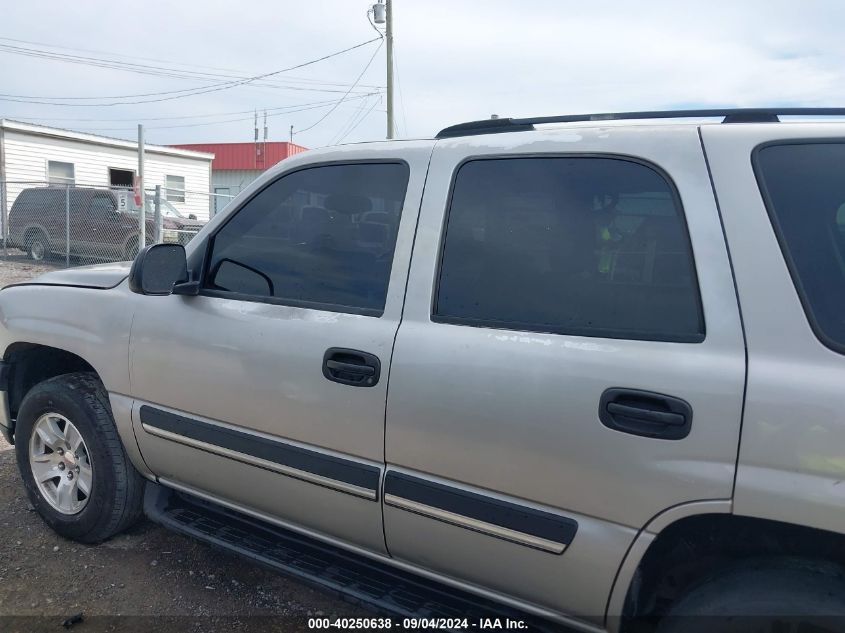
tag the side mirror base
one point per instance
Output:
(187, 288)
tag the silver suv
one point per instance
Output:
(573, 370)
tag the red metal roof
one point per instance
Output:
(246, 155)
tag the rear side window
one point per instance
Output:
(102, 204)
(320, 237)
(576, 245)
(804, 190)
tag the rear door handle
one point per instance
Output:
(351, 367)
(649, 415)
(645, 413)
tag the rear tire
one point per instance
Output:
(37, 246)
(76, 405)
(763, 595)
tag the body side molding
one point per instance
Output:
(513, 522)
(346, 475)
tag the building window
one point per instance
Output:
(121, 178)
(175, 188)
(59, 173)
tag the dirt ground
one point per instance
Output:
(17, 267)
(152, 578)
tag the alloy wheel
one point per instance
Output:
(60, 463)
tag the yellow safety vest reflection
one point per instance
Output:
(606, 252)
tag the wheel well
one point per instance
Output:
(32, 364)
(31, 232)
(694, 548)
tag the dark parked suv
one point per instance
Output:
(97, 228)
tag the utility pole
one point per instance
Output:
(264, 144)
(257, 149)
(142, 215)
(389, 36)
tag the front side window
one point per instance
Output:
(581, 245)
(175, 188)
(804, 192)
(59, 173)
(319, 237)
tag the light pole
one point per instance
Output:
(383, 14)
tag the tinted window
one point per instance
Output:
(588, 246)
(805, 194)
(323, 235)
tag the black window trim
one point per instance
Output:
(568, 331)
(786, 253)
(295, 303)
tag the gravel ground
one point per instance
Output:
(17, 267)
(163, 581)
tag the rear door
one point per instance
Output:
(267, 391)
(570, 362)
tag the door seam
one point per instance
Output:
(393, 349)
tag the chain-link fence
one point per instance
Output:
(72, 224)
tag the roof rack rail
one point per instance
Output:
(730, 115)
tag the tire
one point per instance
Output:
(37, 246)
(130, 251)
(113, 500)
(766, 595)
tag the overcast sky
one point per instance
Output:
(456, 61)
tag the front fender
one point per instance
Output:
(92, 323)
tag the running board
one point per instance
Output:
(355, 578)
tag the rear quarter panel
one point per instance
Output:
(792, 454)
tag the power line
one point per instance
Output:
(179, 93)
(343, 98)
(361, 120)
(348, 123)
(185, 92)
(119, 65)
(187, 116)
(401, 98)
(239, 73)
(237, 120)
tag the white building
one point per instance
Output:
(31, 155)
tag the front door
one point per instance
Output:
(570, 362)
(100, 235)
(268, 390)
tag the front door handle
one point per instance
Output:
(351, 367)
(645, 413)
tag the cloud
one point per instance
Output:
(456, 61)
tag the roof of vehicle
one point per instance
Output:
(728, 115)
